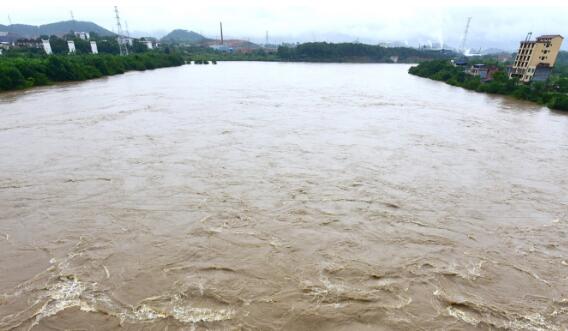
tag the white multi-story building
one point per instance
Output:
(46, 46)
(94, 48)
(71, 45)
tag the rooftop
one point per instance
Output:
(539, 39)
(549, 36)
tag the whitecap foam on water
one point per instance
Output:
(194, 315)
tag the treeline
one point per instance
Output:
(552, 93)
(23, 72)
(200, 53)
(355, 52)
(317, 52)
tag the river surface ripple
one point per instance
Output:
(272, 196)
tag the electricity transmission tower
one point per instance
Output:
(127, 31)
(121, 40)
(73, 21)
(464, 39)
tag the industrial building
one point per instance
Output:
(536, 58)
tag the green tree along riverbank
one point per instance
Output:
(553, 93)
(317, 52)
(23, 72)
(356, 52)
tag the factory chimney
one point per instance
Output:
(221, 26)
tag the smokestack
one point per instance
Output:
(221, 26)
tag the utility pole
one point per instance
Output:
(121, 42)
(221, 27)
(266, 41)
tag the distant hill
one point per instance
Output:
(183, 36)
(18, 31)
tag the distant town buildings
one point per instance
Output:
(536, 58)
(222, 48)
(83, 35)
(484, 72)
(148, 43)
(74, 46)
(28, 43)
(4, 46)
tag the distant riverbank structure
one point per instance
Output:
(94, 48)
(536, 58)
(83, 35)
(46, 46)
(221, 47)
(71, 46)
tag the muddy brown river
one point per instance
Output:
(271, 196)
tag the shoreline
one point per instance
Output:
(560, 111)
(540, 93)
(20, 73)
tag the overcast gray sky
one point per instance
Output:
(494, 24)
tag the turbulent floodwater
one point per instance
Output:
(266, 196)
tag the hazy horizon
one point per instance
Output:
(492, 26)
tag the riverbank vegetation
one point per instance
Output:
(17, 72)
(195, 53)
(356, 52)
(553, 93)
(317, 52)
